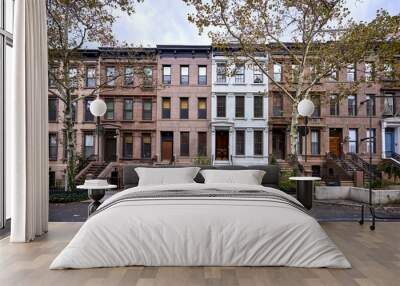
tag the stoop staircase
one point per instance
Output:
(93, 168)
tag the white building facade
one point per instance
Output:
(239, 114)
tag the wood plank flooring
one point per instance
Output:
(375, 257)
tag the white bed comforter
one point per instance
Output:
(200, 231)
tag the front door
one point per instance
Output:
(278, 143)
(110, 147)
(389, 141)
(222, 145)
(167, 139)
(335, 140)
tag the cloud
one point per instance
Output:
(165, 21)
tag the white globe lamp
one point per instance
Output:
(98, 107)
(305, 108)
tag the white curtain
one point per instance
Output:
(26, 120)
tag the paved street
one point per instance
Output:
(76, 212)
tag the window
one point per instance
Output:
(371, 140)
(202, 80)
(277, 104)
(202, 108)
(166, 108)
(351, 72)
(258, 106)
(277, 72)
(202, 144)
(221, 73)
(184, 107)
(221, 106)
(147, 76)
(88, 145)
(314, 70)
(147, 113)
(352, 105)
(184, 75)
(53, 146)
(353, 140)
(258, 142)
(128, 109)
(388, 104)
(317, 106)
(166, 74)
(315, 145)
(146, 146)
(257, 74)
(128, 146)
(239, 106)
(369, 72)
(110, 76)
(128, 76)
(88, 115)
(388, 72)
(295, 73)
(90, 77)
(184, 143)
(334, 105)
(52, 77)
(240, 142)
(370, 104)
(73, 107)
(240, 74)
(110, 109)
(334, 75)
(53, 109)
(73, 77)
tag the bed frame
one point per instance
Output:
(271, 178)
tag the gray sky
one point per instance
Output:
(165, 21)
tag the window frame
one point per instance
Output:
(258, 108)
(257, 75)
(277, 109)
(165, 112)
(277, 74)
(258, 144)
(371, 141)
(125, 153)
(84, 146)
(202, 79)
(88, 78)
(109, 111)
(181, 68)
(240, 74)
(184, 146)
(351, 74)
(333, 98)
(125, 110)
(164, 76)
(55, 99)
(353, 141)
(316, 144)
(202, 146)
(129, 78)
(143, 145)
(55, 157)
(201, 112)
(109, 76)
(144, 111)
(183, 112)
(240, 145)
(352, 108)
(87, 115)
(221, 71)
(240, 108)
(221, 108)
(370, 99)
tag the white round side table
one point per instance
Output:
(96, 191)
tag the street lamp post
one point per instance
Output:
(98, 108)
(306, 109)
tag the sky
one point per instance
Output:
(165, 22)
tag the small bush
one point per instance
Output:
(285, 184)
(68, 197)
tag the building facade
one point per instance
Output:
(184, 107)
(339, 129)
(126, 81)
(239, 117)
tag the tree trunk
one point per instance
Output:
(69, 142)
(293, 131)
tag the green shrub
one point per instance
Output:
(202, 161)
(285, 184)
(68, 197)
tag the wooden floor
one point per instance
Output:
(375, 257)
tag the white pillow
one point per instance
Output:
(248, 177)
(166, 176)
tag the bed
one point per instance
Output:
(201, 224)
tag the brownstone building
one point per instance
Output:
(339, 129)
(184, 107)
(126, 80)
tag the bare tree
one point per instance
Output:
(317, 39)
